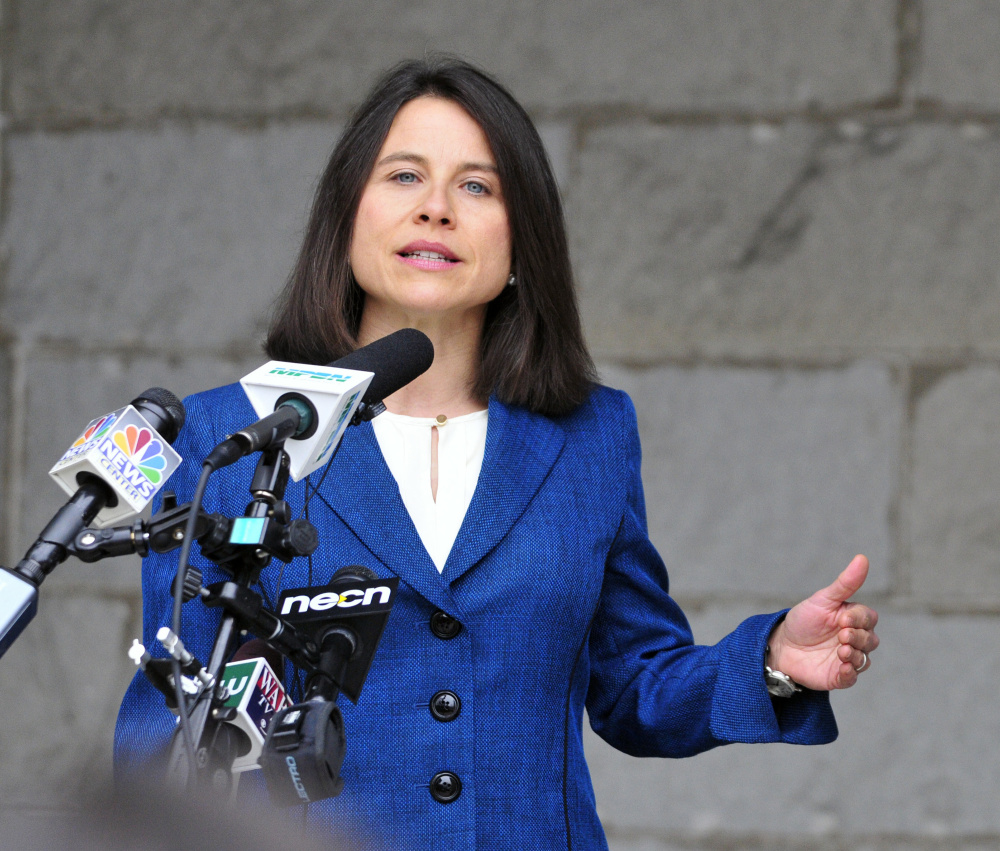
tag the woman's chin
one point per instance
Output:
(423, 308)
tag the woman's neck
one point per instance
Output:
(447, 386)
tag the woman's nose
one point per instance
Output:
(436, 207)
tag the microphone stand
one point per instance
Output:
(19, 586)
(263, 531)
(242, 547)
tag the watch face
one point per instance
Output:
(781, 689)
(779, 684)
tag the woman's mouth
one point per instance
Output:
(428, 255)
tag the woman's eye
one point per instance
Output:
(476, 188)
(406, 177)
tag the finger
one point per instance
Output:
(857, 616)
(849, 582)
(857, 659)
(847, 676)
(859, 639)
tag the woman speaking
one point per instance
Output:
(503, 488)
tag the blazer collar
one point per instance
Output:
(521, 449)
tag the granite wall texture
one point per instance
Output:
(783, 218)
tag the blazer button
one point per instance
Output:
(444, 625)
(445, 787)
(445, 706)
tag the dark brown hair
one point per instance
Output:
(533, 351)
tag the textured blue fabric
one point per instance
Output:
(563, 602)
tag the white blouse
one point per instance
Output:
(406, 446)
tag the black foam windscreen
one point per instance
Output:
(395, 359)
(162, 410)
(354, 572)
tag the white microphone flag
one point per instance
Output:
(335, 394)
(123, 450)
(255, 692)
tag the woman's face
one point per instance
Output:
(431, 236)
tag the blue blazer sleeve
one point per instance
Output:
(653, 692)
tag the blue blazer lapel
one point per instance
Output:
(362, 492)
(521, 448)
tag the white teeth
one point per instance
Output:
(427, 255)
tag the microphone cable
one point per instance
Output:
(178, 590)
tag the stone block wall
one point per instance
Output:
(783, 218)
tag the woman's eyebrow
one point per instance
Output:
(403, 156)
(420, 159)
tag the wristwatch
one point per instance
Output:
(778, 683)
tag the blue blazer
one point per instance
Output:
(562, 604)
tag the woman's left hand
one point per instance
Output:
(826, 641)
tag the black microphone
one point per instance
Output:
(99, 485)
(294, 417)
(162, 410)
(394, 360)
(305, 745)
(257, 648)
(400, 357)
(126, 453)
(345, 620)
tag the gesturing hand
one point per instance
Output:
(824, 642)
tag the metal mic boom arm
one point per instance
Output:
(248, 609)
(160, 534)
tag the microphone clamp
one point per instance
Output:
(367, 411)
(304, 752)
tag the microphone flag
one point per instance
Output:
(334, 393)
(18, 606)
(350, 602)
(125, 452)
(256, 693)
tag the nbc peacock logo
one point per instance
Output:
(123, 450)
(143, 449)
(97, 428)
